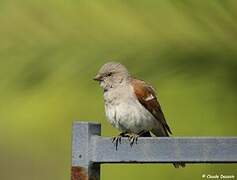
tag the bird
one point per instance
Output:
(131, 105)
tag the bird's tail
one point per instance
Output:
(163, 133)
(179, 164)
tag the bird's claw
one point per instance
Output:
(116, 140)
(133, 139)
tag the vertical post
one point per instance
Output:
(82, 167)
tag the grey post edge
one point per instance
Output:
(82, 168)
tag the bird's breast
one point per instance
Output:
(126, 113)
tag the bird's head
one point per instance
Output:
(111, 74)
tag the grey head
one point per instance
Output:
(111, 75)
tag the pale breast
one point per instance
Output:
(126, 113)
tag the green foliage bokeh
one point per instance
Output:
(51, 49)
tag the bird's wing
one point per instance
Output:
(147, 97)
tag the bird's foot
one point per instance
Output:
(132, 138)
(117, 140)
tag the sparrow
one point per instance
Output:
(131, 105)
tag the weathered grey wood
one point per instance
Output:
(82, 166)
(89, 150)
(166, 150)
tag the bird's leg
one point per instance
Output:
(145, 134)
(117, 139)
(132, 137)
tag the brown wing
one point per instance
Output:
(147, 97)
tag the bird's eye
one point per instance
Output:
(110, 74)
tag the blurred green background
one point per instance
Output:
(51, 49)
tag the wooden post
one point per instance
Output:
(82, 166)
(89, 150)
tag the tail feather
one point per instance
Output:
(179, 164)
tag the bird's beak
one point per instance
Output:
(97, 78)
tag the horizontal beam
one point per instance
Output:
(165, 150)
(89, 150)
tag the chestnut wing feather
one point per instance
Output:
(147, 97)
